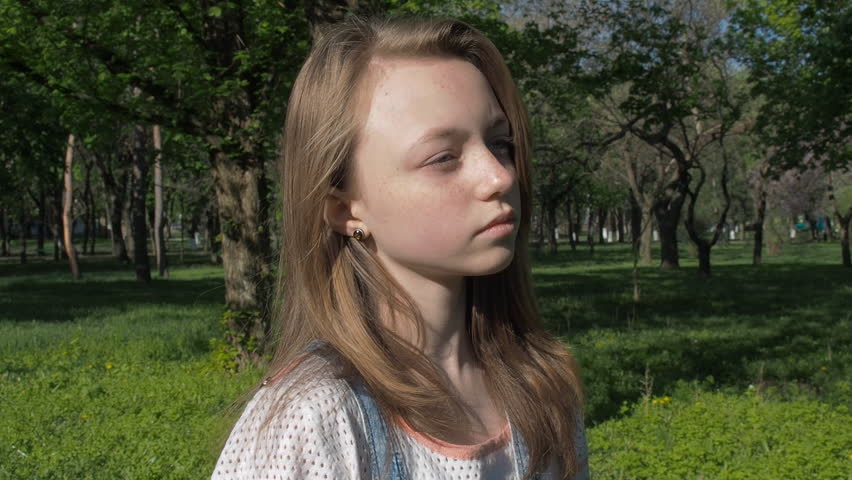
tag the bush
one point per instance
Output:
(696, 434)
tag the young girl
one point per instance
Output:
(410, 344)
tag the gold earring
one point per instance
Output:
(358, 234)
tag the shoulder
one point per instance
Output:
(307, 425)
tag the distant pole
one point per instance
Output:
(66, 211)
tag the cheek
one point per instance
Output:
(424, 219)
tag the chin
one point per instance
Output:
(492, 263)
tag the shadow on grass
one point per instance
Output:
(578, 291)
(42, 290)
(680, 298)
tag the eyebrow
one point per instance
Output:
(445, 132)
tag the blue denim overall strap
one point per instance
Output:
(315, 344)
(377, 436)
(377, 432)
(522, 455)
(582, 451)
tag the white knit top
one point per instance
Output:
(320, 434)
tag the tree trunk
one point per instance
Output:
(552, 246)
(578, 223)
(590, 233)
(139, 189)
(116, 191)
(213, 230)
(67, 216)
(42, 221)
(572, 230)
(635, 221)
(87, 190)
(56, 220)
(126, 218)
(647, 237)
(24, 227)
(159, 241)
(757, 254)
(844, 238)
(619, 224)
(4, 234)
(844, 219)
(92, 217)
(704, 259)
(241, 193)
(601, 224)
(540, 229)
(667, 214)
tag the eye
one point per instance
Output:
(444, 162)
(505, 147)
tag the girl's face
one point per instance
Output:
(433, 169)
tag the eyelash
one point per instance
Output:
(507, 143)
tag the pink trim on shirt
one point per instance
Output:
(461, 452)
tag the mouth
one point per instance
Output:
(504, 221)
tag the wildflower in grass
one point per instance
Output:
(108, 366)
(823, 368)
(698, 404)
(84, 416)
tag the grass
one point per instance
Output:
(104, 378)
(786, 321)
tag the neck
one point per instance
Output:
(442, 305)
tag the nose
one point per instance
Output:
(496, 176)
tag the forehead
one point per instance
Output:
(404, 97)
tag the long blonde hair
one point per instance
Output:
(331, 287)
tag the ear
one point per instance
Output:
(337, 213)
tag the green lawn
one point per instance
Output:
(744, 375)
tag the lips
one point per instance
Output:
(506, 217)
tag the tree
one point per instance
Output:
(159, 241)
(32, 144)
(670, 61)
(137, 153)
(758, 178)
(645, 172)
(797, 54)
(219, 72)
(798, 57)
(67, 215)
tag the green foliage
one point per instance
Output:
(798, 52)
(166, 63)
(239, 343)
(224, 355)
(699, 434)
